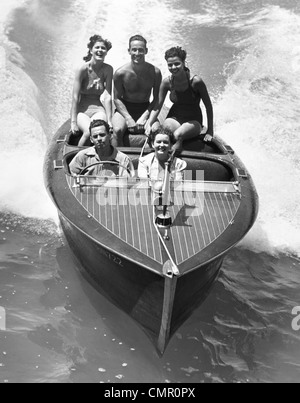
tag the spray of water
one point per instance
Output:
(258, 114)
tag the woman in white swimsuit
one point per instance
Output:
(92, 98)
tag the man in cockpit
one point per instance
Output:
(96, 160)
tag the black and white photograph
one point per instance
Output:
(150, 194)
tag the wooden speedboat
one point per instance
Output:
(156, 270)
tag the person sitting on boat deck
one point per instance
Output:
(102, 150)
(152, 166)
(185, 118)
(134, 83)
(93, 80)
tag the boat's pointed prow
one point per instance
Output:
(167, 313)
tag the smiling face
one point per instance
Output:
(138, 51)
(162, 146)
(99, 51)
(175, 65)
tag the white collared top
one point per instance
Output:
(150, 168)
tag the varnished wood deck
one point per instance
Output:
(199, 218)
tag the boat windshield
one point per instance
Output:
(154, 185)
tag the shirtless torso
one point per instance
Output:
(134, 84)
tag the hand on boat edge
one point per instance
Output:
(208, 138)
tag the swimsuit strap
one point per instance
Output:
(189, 81)
(172, 83)
(191, 87)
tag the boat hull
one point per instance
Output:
(157, 283)
(158, 304)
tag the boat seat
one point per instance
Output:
(213, 170)
(138, 141)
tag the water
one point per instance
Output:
(58, 328)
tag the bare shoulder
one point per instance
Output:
(152, 69)
(108, 70)
(82, 68)
(166, 83)
(121, 71)
(197, 80)
(108, 67)
(199, 85)
(157, 71)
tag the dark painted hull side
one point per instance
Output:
(141, 293)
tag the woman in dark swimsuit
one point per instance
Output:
(185, 118)
(93, 81)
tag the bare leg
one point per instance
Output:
(171, 124)
(155, 126)
(84, 122)
(120, 127)
(101, 115)
(183, 132)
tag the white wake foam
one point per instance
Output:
(258, 114)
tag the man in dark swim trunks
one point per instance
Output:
(134, 84)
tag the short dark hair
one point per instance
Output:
(93, 40)
(162, 130)
(99, 123)
(138, 38)
(176, 52)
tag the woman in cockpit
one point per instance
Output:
(153, 165)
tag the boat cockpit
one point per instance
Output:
(199, 156)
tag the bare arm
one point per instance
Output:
(76, 99)
(154, 104)
(107, 98)
(163, 91)
(208, 106)
(118, 96)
